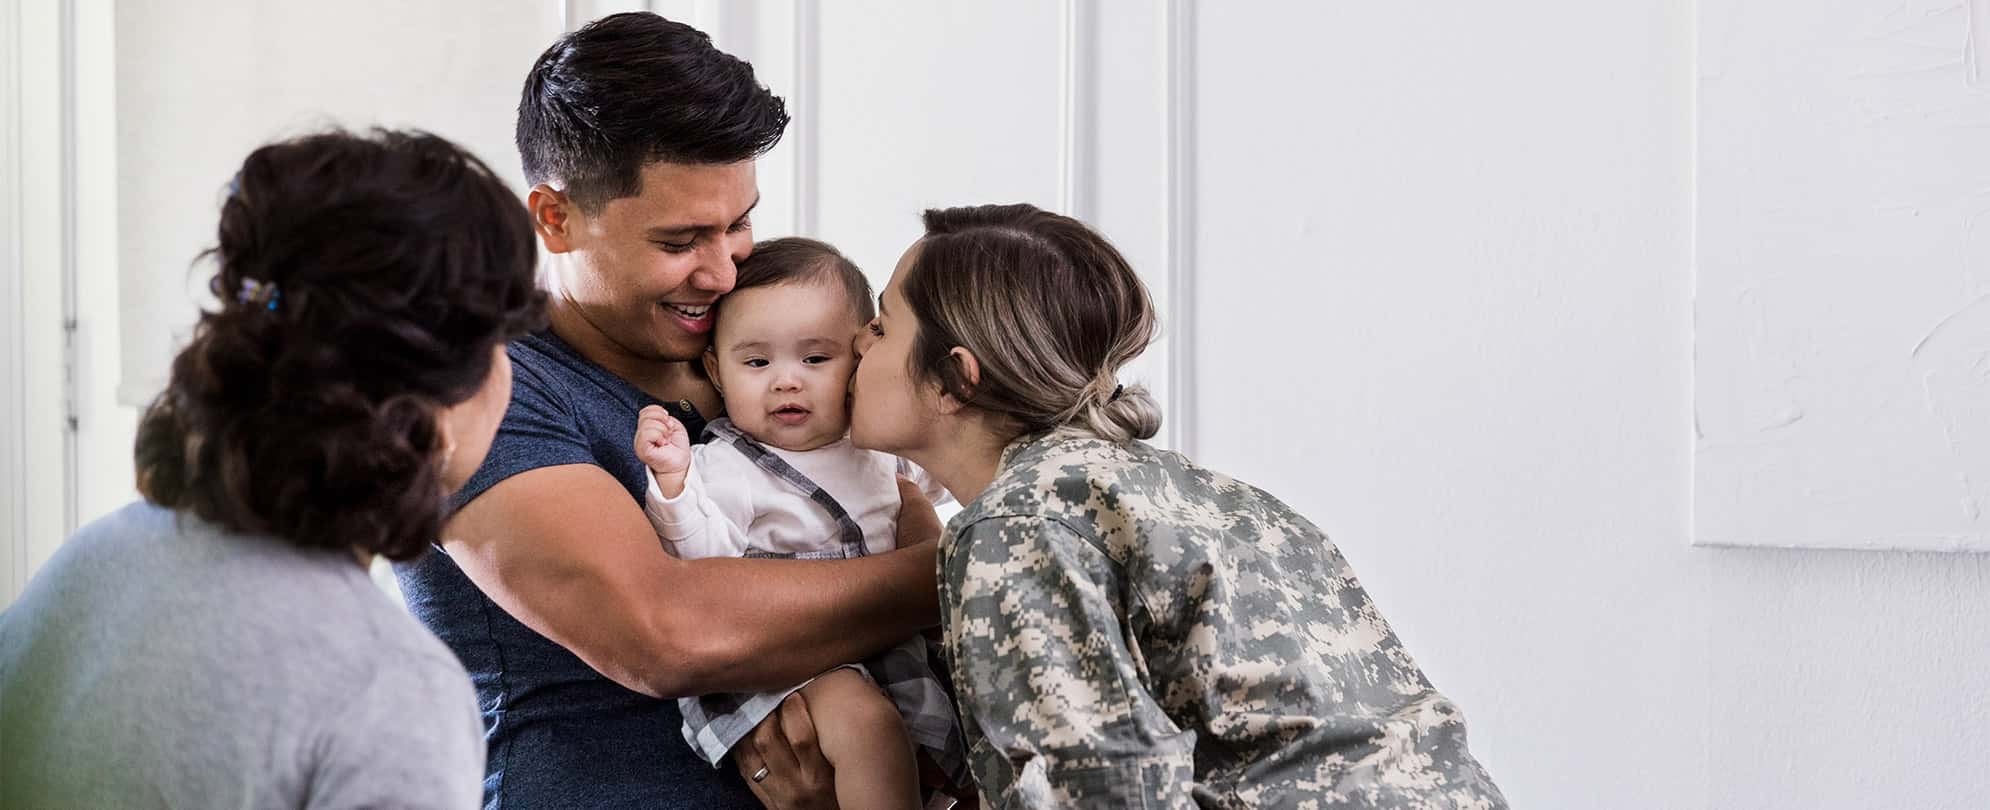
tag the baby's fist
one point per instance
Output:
(662, 442)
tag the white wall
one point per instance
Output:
(1843, 304)
(1443, 289)
(202, 82)
(1441, 302)
(1445, 248)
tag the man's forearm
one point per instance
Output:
(772, 623)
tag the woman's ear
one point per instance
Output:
(449, 422)
(445, 429)
(552, 217)
(970, 376)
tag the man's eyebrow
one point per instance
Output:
(666, 232)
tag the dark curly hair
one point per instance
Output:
(634, 88)
(363, 283)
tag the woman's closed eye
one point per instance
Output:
(876, 328)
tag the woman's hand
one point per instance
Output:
(782, 763)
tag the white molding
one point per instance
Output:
(1074, 123)
(72, 392)
(802, 115)
(13, 346)
(39, 443)
(1180, 219)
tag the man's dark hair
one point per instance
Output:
(797, 260)
(364, 281)
(631, 89)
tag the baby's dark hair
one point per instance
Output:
(797, 260)
(364, 281)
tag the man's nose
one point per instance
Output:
(719, 270)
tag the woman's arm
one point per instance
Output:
(1057, 715)
(564, 550)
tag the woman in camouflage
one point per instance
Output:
(1125, 628)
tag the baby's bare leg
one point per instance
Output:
(863, 737)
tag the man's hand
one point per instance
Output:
(917, 522)
(665, 446)
(783, 764)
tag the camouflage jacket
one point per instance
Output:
(1128, 630)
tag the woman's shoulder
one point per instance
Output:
(1102, 490)
(1062, 475)
(1079, 484)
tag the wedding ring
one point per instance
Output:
(760, 775)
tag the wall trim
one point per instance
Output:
(1180, 219)
(1075, 109)
(72, 406)
(802, 115)
(13, 343)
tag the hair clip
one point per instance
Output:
(1116, 391)
(263, 293)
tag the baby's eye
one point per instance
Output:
(815, 359)
(757, 362)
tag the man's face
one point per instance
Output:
(645, 270)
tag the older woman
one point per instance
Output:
(220, 643)
(1126, 629)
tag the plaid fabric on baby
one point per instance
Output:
(713, 724)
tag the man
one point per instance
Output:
(639, 138)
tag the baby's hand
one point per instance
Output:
(664, 445)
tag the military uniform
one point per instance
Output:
(1128, 630)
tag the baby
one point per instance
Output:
(779, 478)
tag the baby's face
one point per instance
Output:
(782, 358)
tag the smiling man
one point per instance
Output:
(639, 138)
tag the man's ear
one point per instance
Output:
(711, 361)
(552, 217)
(970, 374)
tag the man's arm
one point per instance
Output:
(564, 550)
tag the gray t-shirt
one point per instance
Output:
(159, 661)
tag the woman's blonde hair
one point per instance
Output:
(1048, 307)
